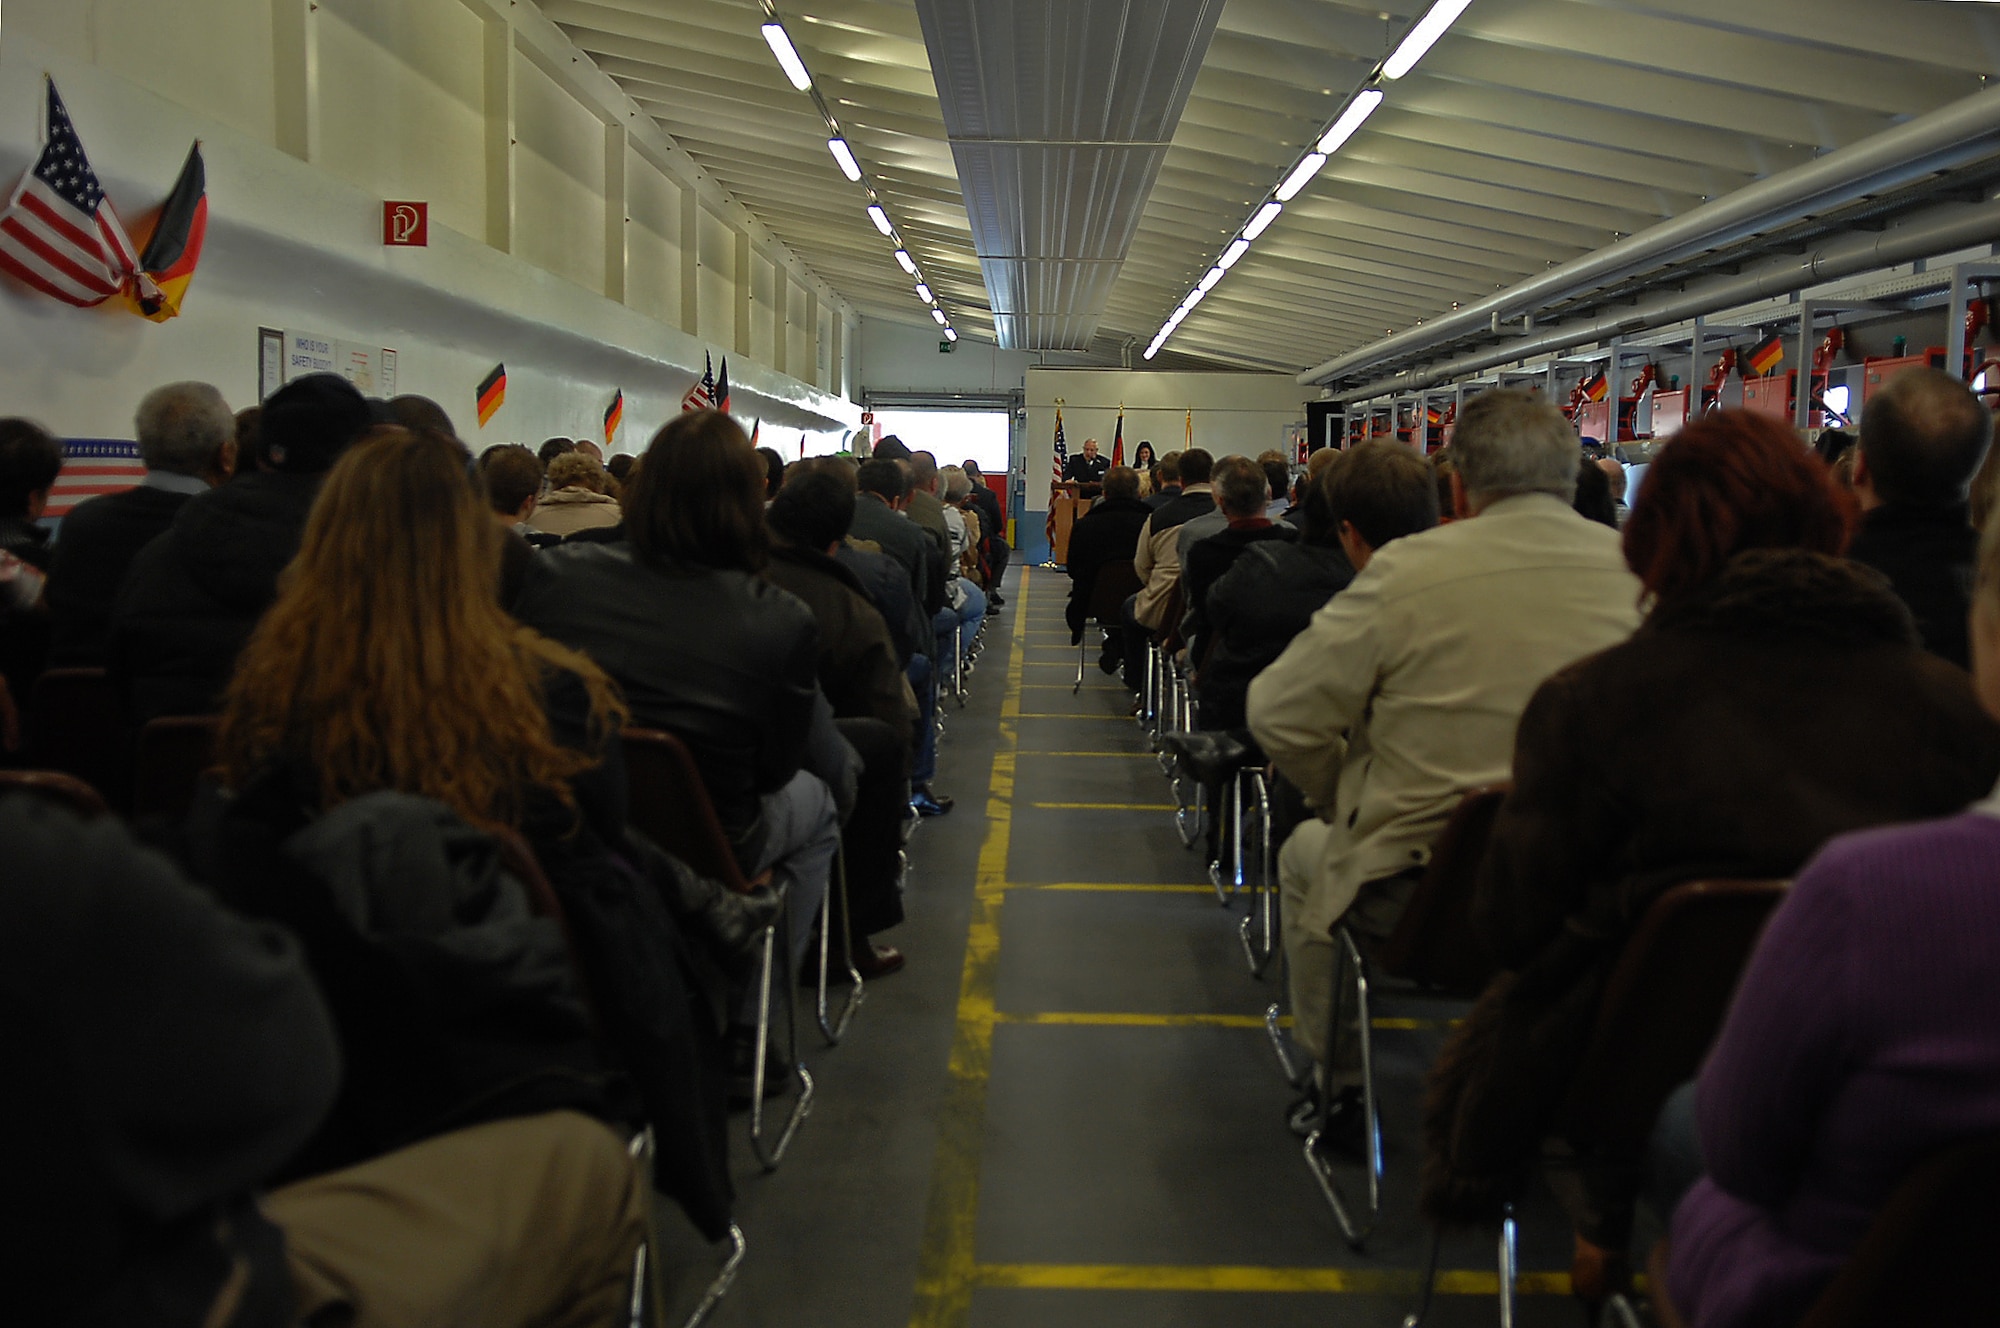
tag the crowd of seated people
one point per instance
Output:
(1755, 672)
(426, 978)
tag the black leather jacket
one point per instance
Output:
(724, 660)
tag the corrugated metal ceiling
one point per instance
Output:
(1536, 131)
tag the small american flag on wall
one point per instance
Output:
(93, 466)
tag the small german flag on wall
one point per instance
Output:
(614, 415)
(1767, 356)
(175, 248)
(492, 392)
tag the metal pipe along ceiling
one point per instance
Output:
(1940, 230)
(1966, 131)
(1060, 113)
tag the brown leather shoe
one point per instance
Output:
(878, 961)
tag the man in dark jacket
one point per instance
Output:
(1167, 479)
(860, 676)
(879, 518)
(1242, 493)
(1923, 437)
(30, 460)
(187, 438)
(1107, 535)
(195, 593)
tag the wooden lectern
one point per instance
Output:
(1067, 502)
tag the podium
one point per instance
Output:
(1067, 502)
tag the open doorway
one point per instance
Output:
(952, 436)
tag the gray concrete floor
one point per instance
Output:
(1102, 1144)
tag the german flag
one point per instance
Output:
(167, 266)
(492, 392)
(1118, 440)
(1767, 357)
(614, 415)
(1599, 387)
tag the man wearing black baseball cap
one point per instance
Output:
(195, 593)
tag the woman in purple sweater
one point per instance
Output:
(1865, 1037)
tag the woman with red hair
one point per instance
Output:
(1774, 697)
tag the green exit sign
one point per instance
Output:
(946, 347)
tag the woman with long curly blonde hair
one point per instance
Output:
(388, 663)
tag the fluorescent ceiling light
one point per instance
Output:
(1422, 37)
(924, 294)
(1152, 350)
(939, 315)
(1351, 119)
(1262, 221)
(1209, 279)
(845, 156)
(950, 335)
(880, 218)
(788, 56)
(1236, 250)
(907, 263)
(1297, 180)
(1195, 296)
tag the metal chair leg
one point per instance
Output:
(1510, 1265)
(1258, 917)
(725, 1277)
(1352, 1226)
(1082, 648)
(1430, 1281)
(777, 967)
(640, 1306)
(834, 1030)
(1187, 817)
(1228, 887)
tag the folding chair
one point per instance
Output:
(54, 786)
(1663, 1005)
(671, 805)
(173, 755)
(1215, 758)
(832, 1029)
(76, 723)
(642, 1305)
(1432, 948)
(1109, 589)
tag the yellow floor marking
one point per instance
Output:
(1174, 1277)
(1122, 719)
(1129, 1019)
(1102, 806)
(945, 1263)
(1136, 756)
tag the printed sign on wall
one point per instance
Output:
(406, 224)
(372, 369)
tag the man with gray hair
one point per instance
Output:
(187, 438)
(1405, 690)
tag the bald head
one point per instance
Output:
(1923, 437)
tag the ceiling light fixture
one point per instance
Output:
(788, 55)
(1237, 248)
(1300, 177)
(1422, 37)
(907, 263)
(880, 218)
(1207, 282)
(950, 335)
(1351, 119)
(1195, 296)
(924, 294)
(845, 156)
(1152, 350)
(1262, 221)
(939, 315)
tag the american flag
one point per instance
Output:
(59, 233)
(1062, 449)
(93, 466)
(702, 395)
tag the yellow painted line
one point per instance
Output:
(1176, 1277)
(1122, 719)
(945, 1261)
(1123, 756)
(1102, 806)
(1123, 1019)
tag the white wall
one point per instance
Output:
(898, 357)
(1234, 413)
(310, 114)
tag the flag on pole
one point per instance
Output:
(1599, 387)
(756, 428)
(614, 415)
(93, 466)
(721, 389)
(802, 447)
(492, 392)
(1062, 450)
(1190, 426)
(175, 247)
(1118, 440)
(1767, 356)
(59, 233)
(702, 395)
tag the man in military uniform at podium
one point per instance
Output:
(1087, 468)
